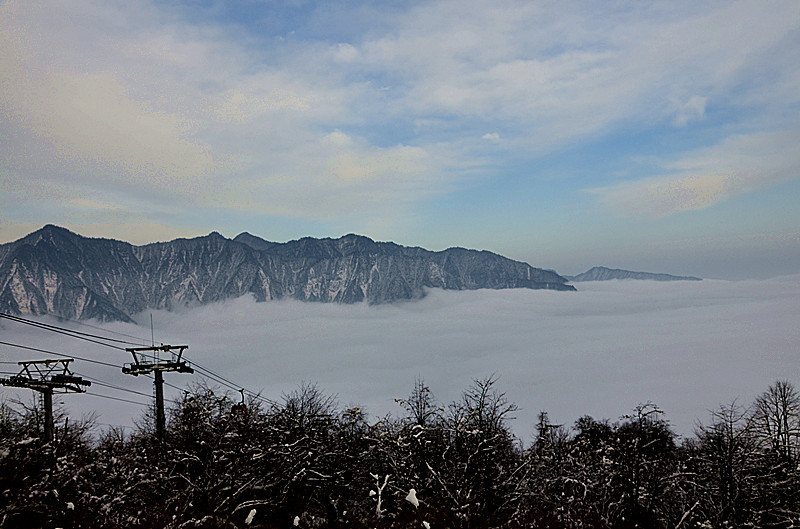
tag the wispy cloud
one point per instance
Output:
(692, 109)
(171, 111)
(557, 76)
(704, 177)
(161, 111)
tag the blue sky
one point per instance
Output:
(658, 136)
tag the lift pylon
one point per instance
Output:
(47, 377)
(148, 360)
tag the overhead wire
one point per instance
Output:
(79, 335)
(217, 378)
(73, 334)
(94, 381)
(49, 326)
(115, 425)
(116, 398)
(84, 324)
(203, 371)
(227, 383)
(76, 357)
(95, 338)
(45, 351)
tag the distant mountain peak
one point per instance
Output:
(50, 234)
(53, 227)
(254, 242)
(49, 231)
(602, 273)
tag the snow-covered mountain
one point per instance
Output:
(601, 273)
(55, 271)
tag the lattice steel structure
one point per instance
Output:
(47, 377)
(148, 360)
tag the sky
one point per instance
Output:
(688, 347)
(655, 136)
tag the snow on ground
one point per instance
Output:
(686, 346)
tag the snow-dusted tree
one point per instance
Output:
(543, 482)
(474, 475)
(407, 450)
(645, 463)
(721, 468)
(606, 475)
(41, 483)
(301, 463)
(209, 444)
(580, 489)
(776, 419)
(420, 439)
(304, 463)
(421, 407)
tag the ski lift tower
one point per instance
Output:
(148, 360)
(47, 377)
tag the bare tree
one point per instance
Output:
(776, 419)
(481, 456)
(726, 458)
(421, 407)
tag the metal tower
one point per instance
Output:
(47, 377)
(148, 360)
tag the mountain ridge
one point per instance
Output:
(602, 273)
(56, 271)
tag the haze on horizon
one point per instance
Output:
(659, 137)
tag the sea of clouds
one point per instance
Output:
(686, 346)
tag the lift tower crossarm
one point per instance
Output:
(144, 363)
(53, 375)
(47, 377)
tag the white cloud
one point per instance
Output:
(694, 108)
(345, 52)
(663, 196)
(133, 105)
(559, 75)
(706, 176)
(333, 175)
(167, 111)
(84, 125)
(87, 121)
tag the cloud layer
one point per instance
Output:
(687, 346)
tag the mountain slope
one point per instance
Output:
(55, 271)
(601, 273)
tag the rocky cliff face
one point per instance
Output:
(601, 273)
(55, 271)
